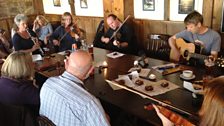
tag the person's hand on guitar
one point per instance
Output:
(199, 43)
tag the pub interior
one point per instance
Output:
(116, 59)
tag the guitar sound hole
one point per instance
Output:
(186, 52)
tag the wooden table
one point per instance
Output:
(128, 101)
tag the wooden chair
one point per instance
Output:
(44, 121)
(158, 47)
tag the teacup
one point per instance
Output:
(187, 73)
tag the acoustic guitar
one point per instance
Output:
(190, 50)
(186, 49)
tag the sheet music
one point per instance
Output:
(36, 57)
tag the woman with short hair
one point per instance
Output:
(25, 40)
(16, 82)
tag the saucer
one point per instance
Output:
(187, 78)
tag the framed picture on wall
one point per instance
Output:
(83, 4)
(185, 6)
(148, 5)
(57, 3)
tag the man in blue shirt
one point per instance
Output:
(64, 99)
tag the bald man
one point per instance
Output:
(124, 41)
(64, 99)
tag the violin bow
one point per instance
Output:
(114, 34)
(151, 98)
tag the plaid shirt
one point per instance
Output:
(66, 103)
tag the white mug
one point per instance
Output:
(187, 73)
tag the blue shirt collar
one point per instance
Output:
(71, 77)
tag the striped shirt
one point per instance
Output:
(66, 103)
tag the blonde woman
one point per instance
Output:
(212, 110)
(42, 28)
(16, 85)
(66, 34)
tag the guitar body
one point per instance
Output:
(184, 50)
(190, 50)
(184, 47)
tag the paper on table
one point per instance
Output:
(114, 55)
(189, 86)
(157, 88)
(134, 69)
(144, 72)
(126, 79)
(36, 57)
(62, 53)
(114, 87)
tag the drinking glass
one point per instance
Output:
(209, 65)
(84, 45)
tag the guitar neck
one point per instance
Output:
(198, 56)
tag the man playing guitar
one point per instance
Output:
(197, 33)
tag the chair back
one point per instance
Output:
(158, 46)
(44, 121)
(99, 33)
(14, 115)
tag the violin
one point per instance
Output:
(73, 30)
(173, 117)
(115, 33)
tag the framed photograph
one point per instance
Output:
(83, 4)
(57, 3)
(185, 6)
(148, 5)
